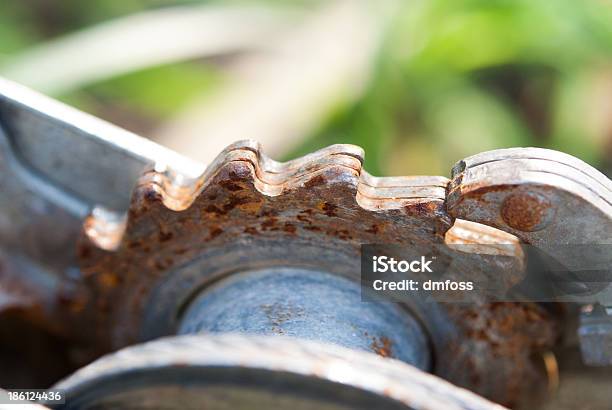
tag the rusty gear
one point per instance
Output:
(247, 210)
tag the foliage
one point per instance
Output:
(453, 77)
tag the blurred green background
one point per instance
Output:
(447, 78)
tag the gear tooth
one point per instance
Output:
(103, 229)
(355, 151)
(329, 180)
(418, 193)
(270, 177)
(246, 144)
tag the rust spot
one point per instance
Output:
(527, 211)
(85, 252)
(251, 230)
(328, 208)
(316, 181)
(213, 209)
(420, 209)
(340, 233)
(108, 280)
(302, 218)
(163, 264)
(234, 201)
(373, 229)
(251, 207)
(289, 228)
(269, 212)
(134, 244)
(479, 192)
(215, 231)
(313, 228)
(75, 303)
(269, 224)
(231, 186)
(165, 236)
(381, 346)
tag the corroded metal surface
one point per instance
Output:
(39, 226)
(292, 374)
(248, 211)
(514, 331)
(544, 197)
(550, 200)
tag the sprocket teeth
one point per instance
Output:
(245, 162)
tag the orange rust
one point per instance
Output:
(84, 251)
(526, 211)
(316, 181)
(251, 230)
(382, 346)
(328, 208)
(231, 186)
(251, 207)
(215, 231)
(373, 229)
(269, 224)
(479, 190)
(289, 228)
(213, 209)
(108, 279)
(313, 228)
(504, 336)
(234, 201)
(165, 236)
(302, 218)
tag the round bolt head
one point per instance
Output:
(527, 211)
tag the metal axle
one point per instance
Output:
(310, 305)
